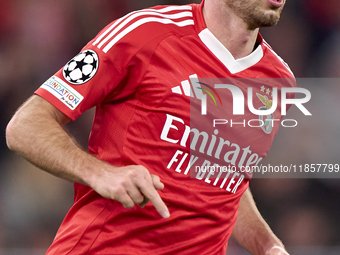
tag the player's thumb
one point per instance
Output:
(157, 182)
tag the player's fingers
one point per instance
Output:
(146, 200)
(125, 200)
(150, 192)
(157, 182)
(135, 195)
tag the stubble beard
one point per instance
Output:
(260, 19)
(253, 15)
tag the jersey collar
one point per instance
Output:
(220, 51)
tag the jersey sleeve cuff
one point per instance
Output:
(73, 115)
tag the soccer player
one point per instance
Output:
(133, 190)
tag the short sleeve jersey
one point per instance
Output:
(139, 73)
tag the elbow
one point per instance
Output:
(26, 124)
(12, 135)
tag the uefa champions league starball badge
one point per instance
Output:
(81, 68)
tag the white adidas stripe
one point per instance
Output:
(177, 90)
(163, 10)
(141, 22)
(187, 86)
(194, 81)
(107, 31)
(126, 21)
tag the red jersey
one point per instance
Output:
(140, 72)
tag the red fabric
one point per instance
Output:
(133, 92)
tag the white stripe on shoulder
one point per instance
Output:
(136, 15)
(282, 61)
(162, 10)
(143, 21)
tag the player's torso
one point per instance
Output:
(160, 125)
(167, 133)
(166, 128)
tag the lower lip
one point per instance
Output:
(275, 3)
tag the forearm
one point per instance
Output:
(43, 142)
(36, 132)
(252, 232)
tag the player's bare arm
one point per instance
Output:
(252, 232)
(36, 132)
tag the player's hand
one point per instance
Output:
(277, 250)
(131, 185)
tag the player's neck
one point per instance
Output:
(229, 29)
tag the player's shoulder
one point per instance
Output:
(278, 63)
(138, 28)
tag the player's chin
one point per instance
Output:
(270, 18)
